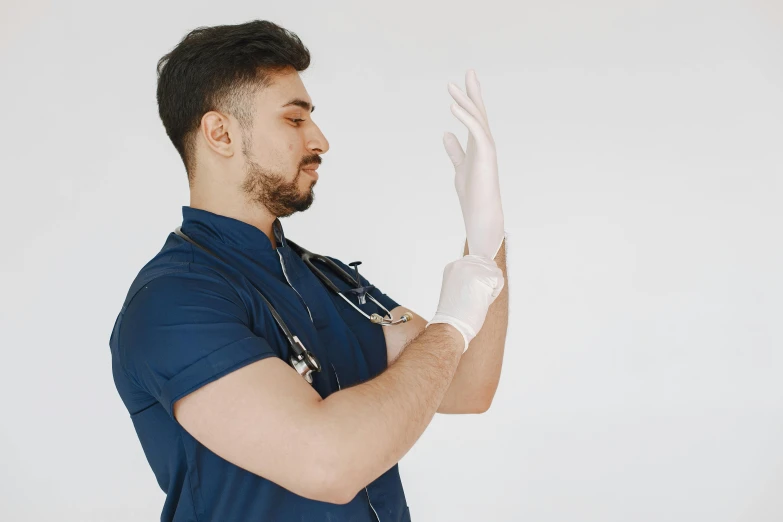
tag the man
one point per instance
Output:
(231, 430)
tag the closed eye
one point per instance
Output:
(295, 120)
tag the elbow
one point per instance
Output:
(344, 465)
(332, 477)
(334, 486)
(324, 485)
(484, 400)
(344, 496)
(482, 405)
(472, 408)
(310, 470)
(475, 408)
(472, 405)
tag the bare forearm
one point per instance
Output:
(372, 425)
(478, 373)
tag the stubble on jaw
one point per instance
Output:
(279, 197)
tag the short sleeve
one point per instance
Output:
(183, 330)
(376, 292)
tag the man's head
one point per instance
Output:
(224, 96)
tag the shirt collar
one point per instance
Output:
(230, 231)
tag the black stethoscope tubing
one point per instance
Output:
(302, 359)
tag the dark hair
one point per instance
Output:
(221, 68)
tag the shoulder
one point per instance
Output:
(183, 328)
(173, 303)
(175, 268)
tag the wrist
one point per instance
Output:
(449, 327)
(503, 240)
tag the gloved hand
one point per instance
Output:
(476, 172)
(470, 285)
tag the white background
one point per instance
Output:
(640, 147)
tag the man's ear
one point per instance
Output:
(218, 133)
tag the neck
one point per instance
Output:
(238, 209)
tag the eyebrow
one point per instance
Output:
(300, 103)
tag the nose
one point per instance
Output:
(317, 142)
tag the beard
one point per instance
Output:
(270, 189)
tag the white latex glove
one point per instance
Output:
(470, 285)
(476, 171)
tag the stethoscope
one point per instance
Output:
(302, 359)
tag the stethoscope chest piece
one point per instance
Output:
(305, 363)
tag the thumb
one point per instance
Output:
(453, 148)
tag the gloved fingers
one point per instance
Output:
(453, 149)
(473, 125)
(496, 279)
(467, 103)
(491, 266)
(473, 87)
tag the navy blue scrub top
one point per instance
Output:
(182, 325)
